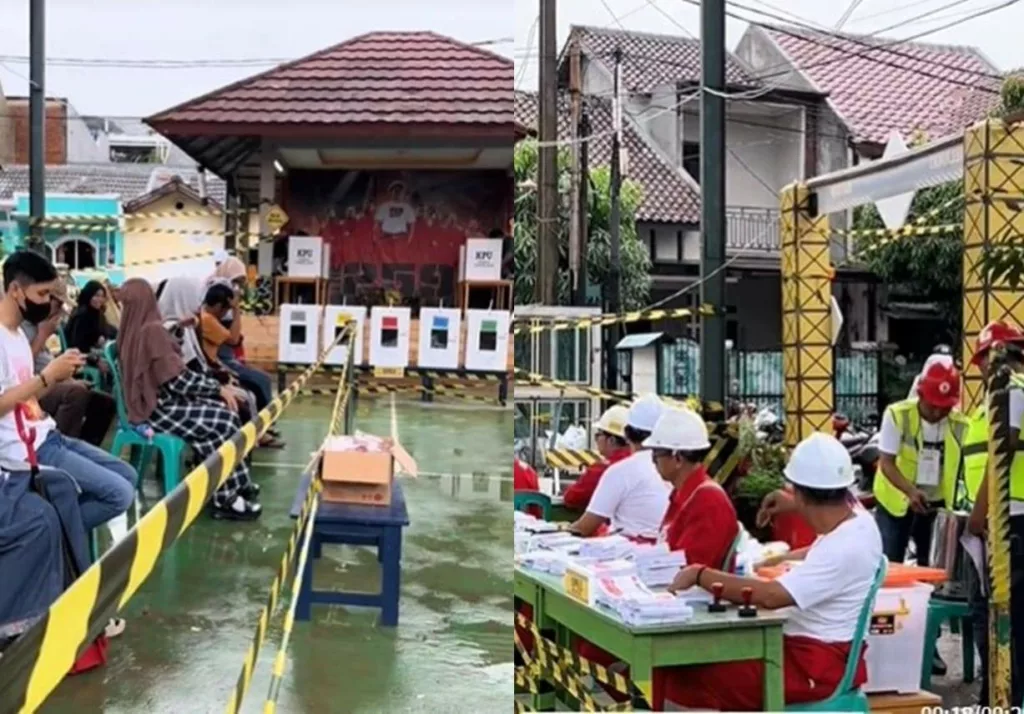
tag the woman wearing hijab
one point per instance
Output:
(113, 309)
(233, 272)
(179, 300)
(161, 391)
(87, 328)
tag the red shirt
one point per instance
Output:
(577, 496)
(700, 521)
(524, 478)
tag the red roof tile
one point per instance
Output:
(378, 78)
(667, 196)
(908, 87)
(652, 60)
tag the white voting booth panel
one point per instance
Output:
(333, 325)
(389, 336)
(487, 340)
(299, 337)
(440, 338)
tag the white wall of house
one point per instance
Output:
(763, 154)
(82, 146)
(656, 113)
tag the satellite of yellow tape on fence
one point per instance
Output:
(539, 324)
(36, 662)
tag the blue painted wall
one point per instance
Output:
(109, 244)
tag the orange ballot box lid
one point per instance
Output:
(898, 576)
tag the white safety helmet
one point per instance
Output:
(613, 422)
(679, 430)
(820, 462)
(645, 412)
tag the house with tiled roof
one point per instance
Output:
(768, 146)
(875, 86)
(394, 147)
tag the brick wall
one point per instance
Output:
(56, 130)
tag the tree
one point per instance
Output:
(927, 268)
(635, 264)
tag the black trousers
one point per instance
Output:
(898, 532)
(979, 606)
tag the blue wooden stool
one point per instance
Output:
(344, 524)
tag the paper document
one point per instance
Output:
(975, 548)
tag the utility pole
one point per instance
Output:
(614, 286)
(37, 124)
(712, 189)
(584, 206)
(575, 107)
(546, 285)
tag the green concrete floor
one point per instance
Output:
(190, 625)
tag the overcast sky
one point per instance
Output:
(210, 29)
(997, 34)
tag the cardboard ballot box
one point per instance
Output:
(358, 469)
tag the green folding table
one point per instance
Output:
(708, 638)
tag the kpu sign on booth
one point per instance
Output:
(483, 259)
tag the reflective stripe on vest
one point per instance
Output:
(908, 419)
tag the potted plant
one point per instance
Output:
(764, 475)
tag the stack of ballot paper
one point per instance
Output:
(557, 540)
(656, 565)
(638, 606)
(606, 547)
(582, 575)
(543, 561)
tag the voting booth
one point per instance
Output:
(389, 336)
(308, 257)
(299, 336)
(487, 340)
(336, 318)
(440, 338)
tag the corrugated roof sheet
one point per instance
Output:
(380, 77)
(668, 197)
(652, 60)
(882, 91)
(129, 181)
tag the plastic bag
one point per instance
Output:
(575, 437)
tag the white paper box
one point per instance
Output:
(389, 336)
(299, 334)
(487, 340)
(440, 338)
(483, 259)
(305, 257)
(332, 325)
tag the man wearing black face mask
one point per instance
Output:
(107, 483)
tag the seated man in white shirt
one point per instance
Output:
(823, 595)
(631, 496)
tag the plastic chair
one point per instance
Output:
(171, 448)
(524, 499)
(954, 612)
(729, 565)
(846, 698)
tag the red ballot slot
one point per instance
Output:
(389, 323)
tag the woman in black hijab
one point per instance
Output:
(87, 328)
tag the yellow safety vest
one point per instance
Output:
(908, 421)
(976, 458)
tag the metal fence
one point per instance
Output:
(749, 228)
(757, 378)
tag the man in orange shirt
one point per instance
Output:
(610, 437)
(220, 300)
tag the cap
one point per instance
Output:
(613, 421)
(820, 462)
(679, 430)
(994, 333)
(645, 412)
(940, 386)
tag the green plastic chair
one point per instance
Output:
(524, 499)
(171, 448)
(956, 613)
(846, 698)
(728, 566)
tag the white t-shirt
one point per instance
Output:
(832, 583)
(632, 496)
(17, 366)
(889, 439)
(395, 218)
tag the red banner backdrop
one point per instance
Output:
(397, 230)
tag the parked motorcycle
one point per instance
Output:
(862, 445)
(769, 426)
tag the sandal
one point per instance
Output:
(114, 628)
(270, 441)
(238, 510)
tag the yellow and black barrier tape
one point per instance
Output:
(454, 391)
(88, 218)
(287, 558)
(37, 662)
(540, 324)
(410, 372)
(520, 707)
(572, 459)
(526, 680)
(532, 379)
